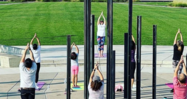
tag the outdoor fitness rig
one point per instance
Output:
(89, 53)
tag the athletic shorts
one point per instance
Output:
(175, 63)
(133, 67)
(101, 42)
(74, 70)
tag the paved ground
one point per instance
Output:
(54, 76)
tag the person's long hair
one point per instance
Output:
(179, 44)
(96, 85)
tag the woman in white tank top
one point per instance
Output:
(101, 25)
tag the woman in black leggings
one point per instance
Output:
(133, 62)
(36, 51)
(178, 47)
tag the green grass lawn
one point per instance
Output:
(7, 2)
(19, 22)
(153, 3)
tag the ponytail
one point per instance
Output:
(179, 48)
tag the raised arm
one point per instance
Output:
(175, 40)
(184, 66)
(77, 49)
(98, 20)
(38, 40)
(104, 19)
(24, 53)
(133, 39)
(178, 65)
(32, 39)
(181, 36)
(92, 75)
(31, 55)
(72, 46)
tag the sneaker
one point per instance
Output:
(36, 86)
(133, 88)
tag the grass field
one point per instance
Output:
(19, 22)
(153, 3)
(7, 2)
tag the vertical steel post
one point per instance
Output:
(154, 61)
(113, 76)
(87, 12)
(92, 53)
(125, 63)
(109, 44)
(138, 70)
(129, 49)
(68, 67)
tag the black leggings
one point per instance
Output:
(133, 67)
(37, 72)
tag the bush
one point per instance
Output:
(81, 0)
(74, 0)
(178, 4)
(136, 0)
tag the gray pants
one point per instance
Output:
(175, 63)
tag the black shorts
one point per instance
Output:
(133, 67)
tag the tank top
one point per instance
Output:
(132, 55)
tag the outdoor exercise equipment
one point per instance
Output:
(154, 62)
(68, 66)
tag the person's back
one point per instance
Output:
(36, 53)
(180, 90)
(96, 85)
(27, 76)
(99, 94)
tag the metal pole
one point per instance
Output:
(154, 61)
(87, 10)
(125, 63)
(109, 45)
(113, 76)
(129, 50)
(68, 66)
(138, 70)
(92, 53)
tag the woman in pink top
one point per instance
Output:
(74, 65)
(96, 85)
(180, 82)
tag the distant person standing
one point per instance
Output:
(74, 65)
(27, 69)
(178, 47)
(133, 62)
(101, 25)
(36, 51)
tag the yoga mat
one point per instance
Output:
(81, 86)
(170, 85)
(97, 55)
(40, 85)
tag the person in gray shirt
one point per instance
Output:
(27, 69)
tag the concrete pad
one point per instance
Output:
(43, 77)
(8, 61)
